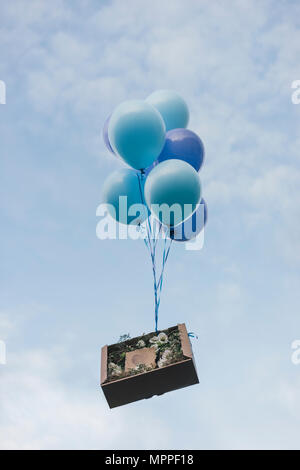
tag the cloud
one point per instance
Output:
(39, 411)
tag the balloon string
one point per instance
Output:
(148, 241)
(152, 249)
(165, 258)
(162, 266)
(159, 230)
(155, 286)
(192, 335)
(151, 243)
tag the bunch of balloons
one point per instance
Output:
(164, 159)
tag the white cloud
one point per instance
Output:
(40, 411)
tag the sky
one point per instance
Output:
(64, 293)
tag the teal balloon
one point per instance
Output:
(123, 192)
(172, 107)
(136, 132)
(172, 191)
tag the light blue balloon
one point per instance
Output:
(136, 132)
(172, 107)
(192, 226)
(172, 191)
(123, 192)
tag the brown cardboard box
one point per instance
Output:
(155, 382)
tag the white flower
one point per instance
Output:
(141, 344)
(162, 362)
(115, 370)
(167, 355)
(165, 359)
(163, 338)
(154, 339)
(155, 346)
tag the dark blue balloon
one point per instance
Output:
(192, 226)
(105, 135)
(185, 145)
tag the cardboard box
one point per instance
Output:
(157, 381)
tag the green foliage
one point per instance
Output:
(139, 369)
(124, 338)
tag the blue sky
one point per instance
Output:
(64, 293)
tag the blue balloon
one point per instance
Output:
(172, 191)
(172, 107)
(185, 145)
(192, 226)
(136, 132)
(147, 170)
(123, 192)
(105, 135)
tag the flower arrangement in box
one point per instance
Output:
(166, 346)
